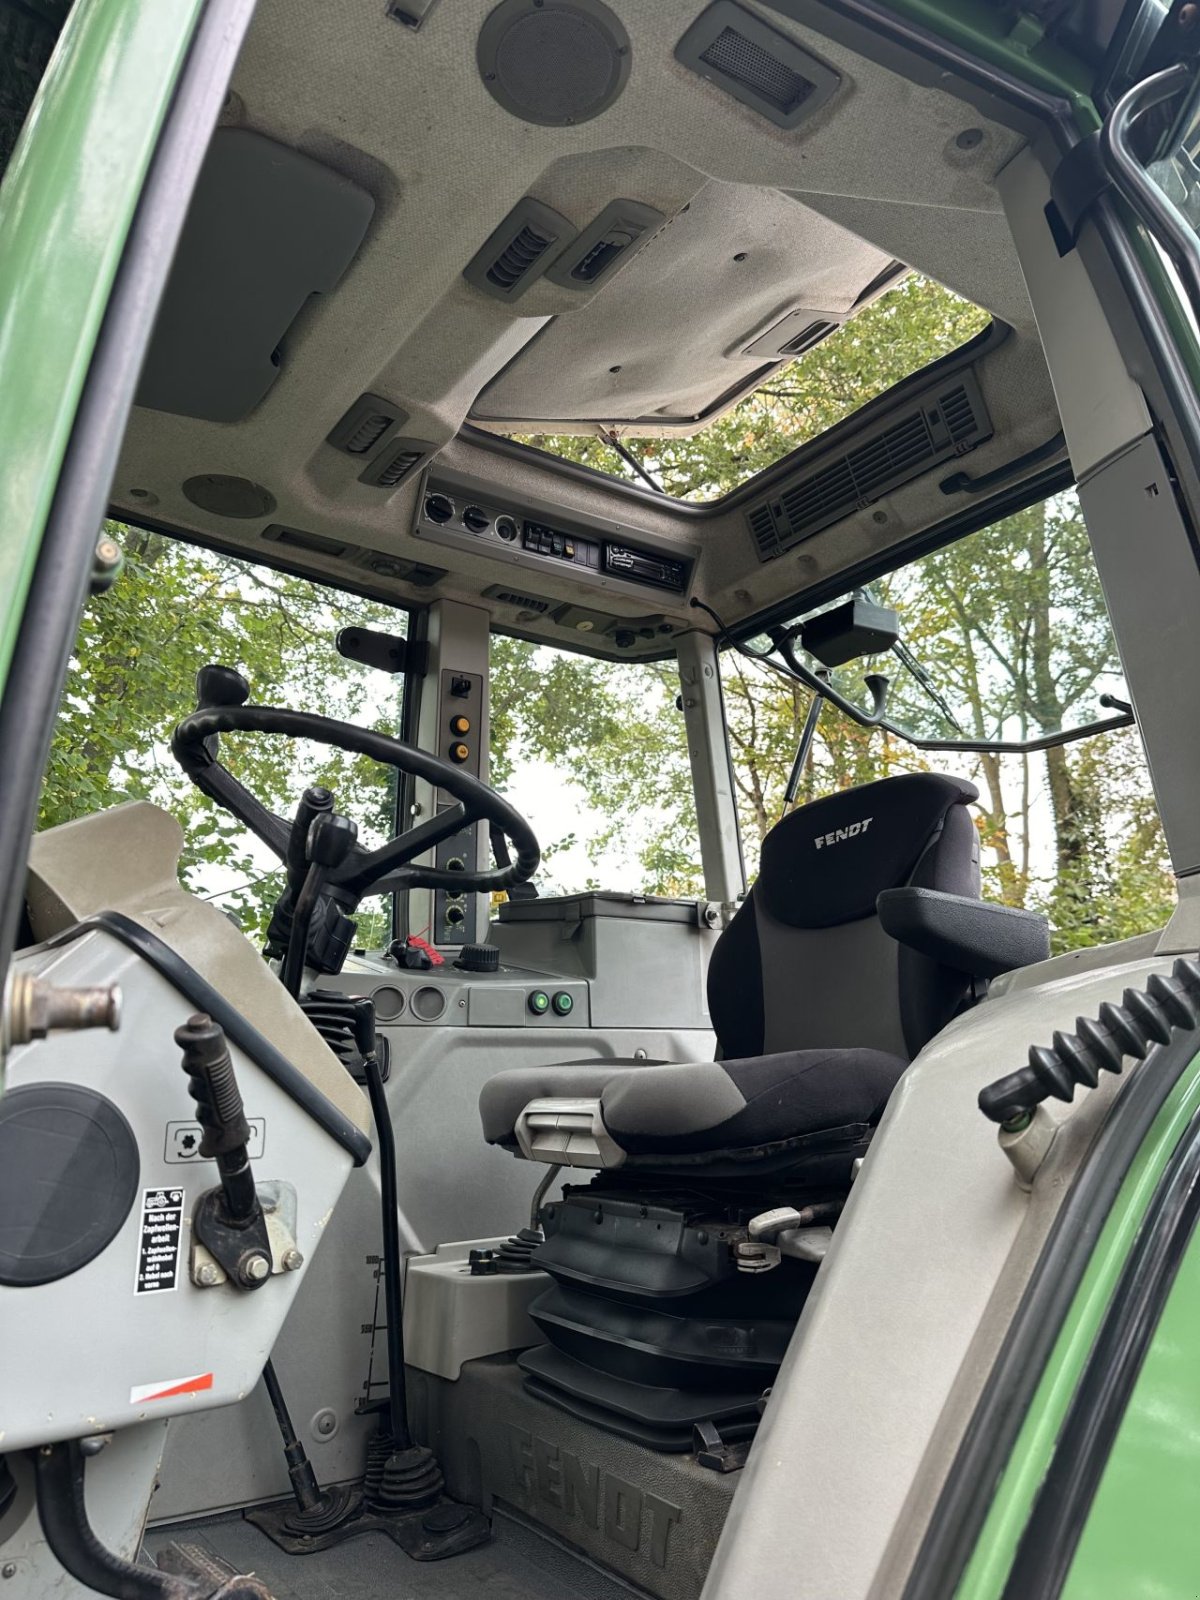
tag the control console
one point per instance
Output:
(452, 513)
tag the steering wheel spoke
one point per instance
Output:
(366, 872)
(374, 869)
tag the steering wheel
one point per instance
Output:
(221, 696)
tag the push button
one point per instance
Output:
(460, 752)
(563, 1003)
(539, 1002)
(460, 725)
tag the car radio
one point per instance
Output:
(643, 567)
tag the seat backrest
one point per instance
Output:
(805, 963)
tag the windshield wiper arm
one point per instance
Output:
(903, 654)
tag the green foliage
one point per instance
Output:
(175, 608)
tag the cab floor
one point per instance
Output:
(518, 1563)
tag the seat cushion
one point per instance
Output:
(684, 1108)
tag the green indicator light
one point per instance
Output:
(563, 1003)
(539, 1002)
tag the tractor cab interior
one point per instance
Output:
(578, 1226)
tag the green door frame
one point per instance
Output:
(91, 208)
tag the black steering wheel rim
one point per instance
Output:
(195, 744)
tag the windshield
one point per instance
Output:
(847, 365)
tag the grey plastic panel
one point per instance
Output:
(267, 228)
(452, 1187)
(909, 1308)
(150, 1352)
(651, 1518)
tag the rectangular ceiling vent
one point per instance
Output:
(300, 539)
(946, 422)
(393, 465)
(523, 602)
(529, 239)
(763, 69)
(807, 338)
(365, 424)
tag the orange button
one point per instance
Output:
(460, 724)
(459, 752)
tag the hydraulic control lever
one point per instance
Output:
(229, 1219)
(329, 841)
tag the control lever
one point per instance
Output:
(228, 1220)
(329, 841)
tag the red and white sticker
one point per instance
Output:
(196, 1384)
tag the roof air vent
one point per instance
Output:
(763, 69)
(520, 250)
(612, 239)
(943, 423)
(365, 424)
(398, 461)
(792, 335)
(523, 602)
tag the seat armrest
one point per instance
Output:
(973, 936)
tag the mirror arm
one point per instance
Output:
(785, 644)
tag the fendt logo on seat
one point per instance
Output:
(838, 834)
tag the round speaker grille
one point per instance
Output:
(68, 1178)
(229, 497)
(553, 61)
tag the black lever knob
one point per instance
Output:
(220, 1111)
(220, 686)
(316, 801)
(330, 840)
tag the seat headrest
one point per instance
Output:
(828, 862)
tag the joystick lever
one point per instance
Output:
(228, 1220)
(329, 841)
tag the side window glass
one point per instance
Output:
(1004, 635)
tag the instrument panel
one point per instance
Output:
(452, 512)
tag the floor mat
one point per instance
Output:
(373, 1568)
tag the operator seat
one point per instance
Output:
(817, 1011)
(663, 1314)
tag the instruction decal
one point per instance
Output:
(182, 1142)
(158, 1241)
(196, 1384)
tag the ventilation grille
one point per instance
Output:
(946, 423)
(747, 63)
(807, 337)
(365, 424)
(523, 602)
(396, 462)
(765, 70)
(398, 467)
(369, 432)
(520, 257)
(520, 250)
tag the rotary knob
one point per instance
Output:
(479, 958)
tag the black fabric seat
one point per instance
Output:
(816, 1009)
(657, 1320)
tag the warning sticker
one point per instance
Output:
(158, 1240)
(167, 1390)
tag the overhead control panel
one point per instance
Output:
(614, 558)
